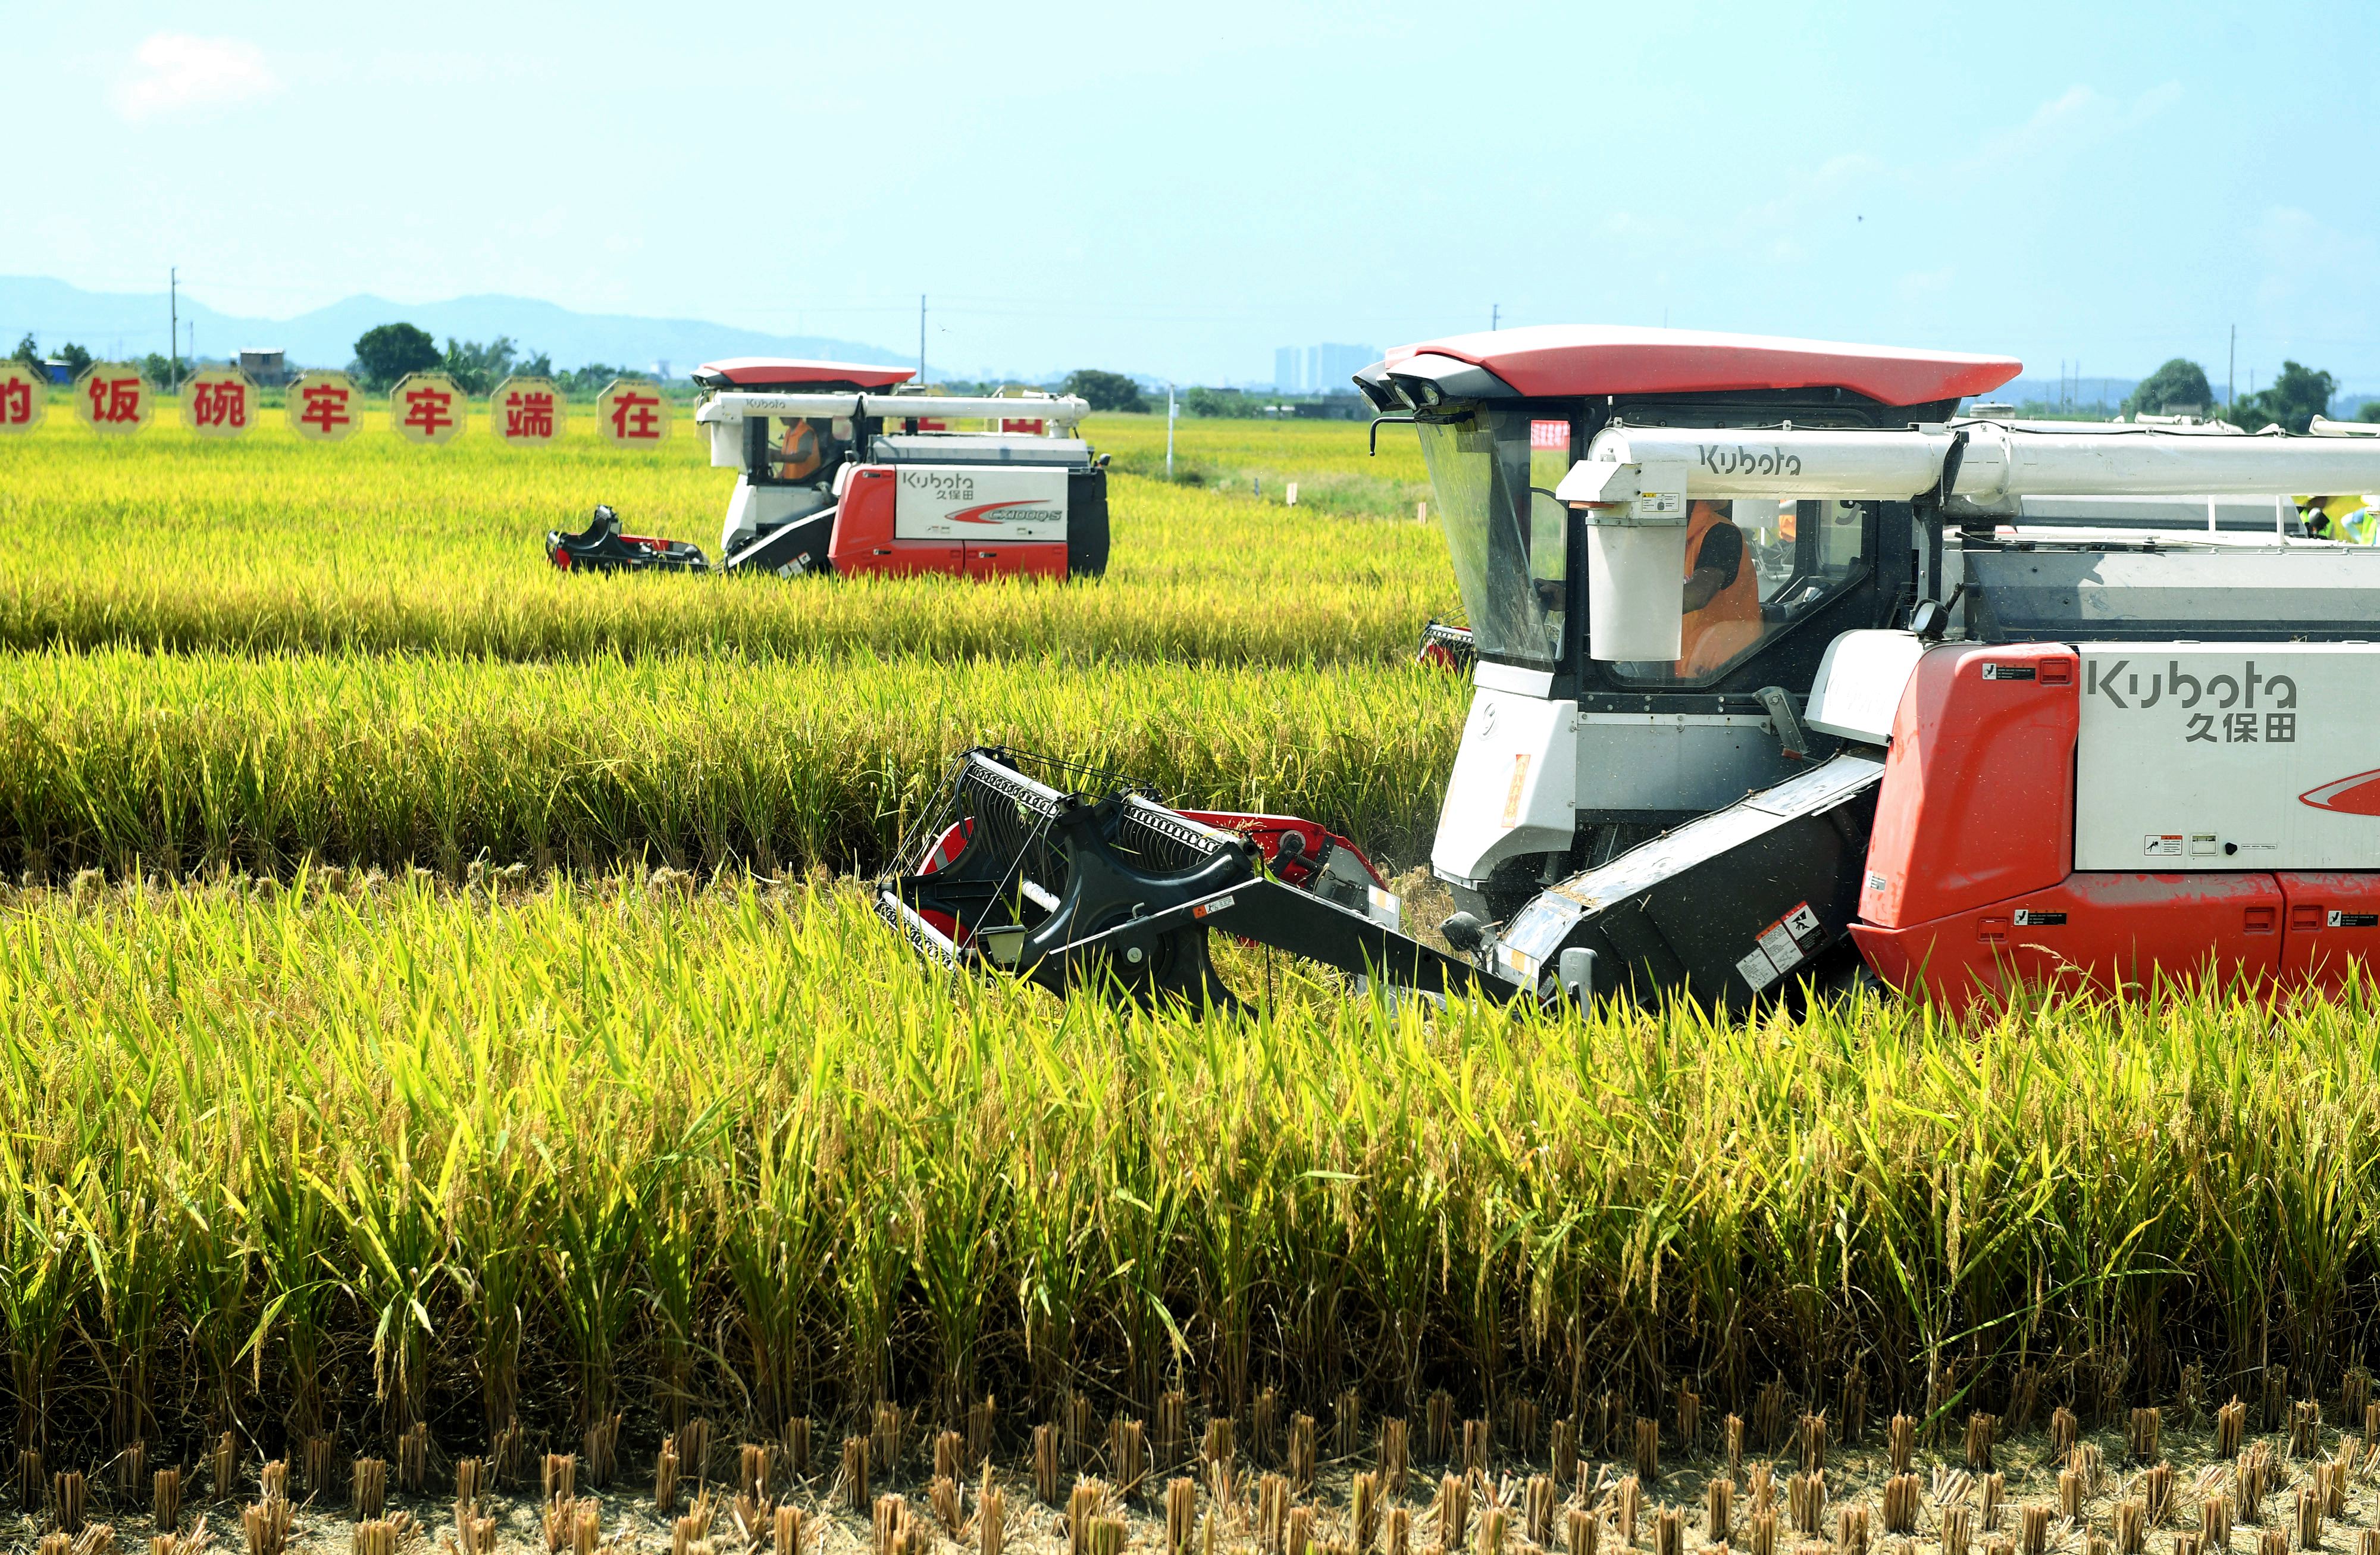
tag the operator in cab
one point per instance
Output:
(804, 449)
(1722, 593)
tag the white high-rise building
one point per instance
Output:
(1286, 378)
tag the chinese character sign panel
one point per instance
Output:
(324, 406)
(23, 397)
(219, 402)
(526, 412)
(632, 414)
(425, 408)
(113, 398)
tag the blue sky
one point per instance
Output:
(1178, 189)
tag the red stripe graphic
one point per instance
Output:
(967, 515)
(2359, 794)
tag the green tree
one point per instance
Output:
(1104, 390)
(1203, 401)
(28, 351)
(2179, 385)
(539, 366)
(387, 352)
(78, 360)
(2368, 411)
(2296, 397)
(475, 368)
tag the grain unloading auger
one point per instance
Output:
(1788, 676)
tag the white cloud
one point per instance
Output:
(176, 72)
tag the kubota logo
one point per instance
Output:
(2120, 685)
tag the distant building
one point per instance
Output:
(1287, 374)
(1319, 370)
(1339, 364)
(266, 366)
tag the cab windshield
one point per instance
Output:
(1494, 473)
(1753, 566)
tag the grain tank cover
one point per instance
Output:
(1557, 360)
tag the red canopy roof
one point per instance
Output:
(1548, 360)
(777, 372)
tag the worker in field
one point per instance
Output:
(2352, 520)
(804, 448)
(1722, 593)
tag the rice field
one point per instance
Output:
(451, 1094)
(271, 546)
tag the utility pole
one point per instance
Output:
(174, 322)
(1495, 316)
(1169, 432)
(921, 340)
(2232, 371)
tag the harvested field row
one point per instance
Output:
(1358, 1484)
(127, 761)
(275, 546)
(346, 1161)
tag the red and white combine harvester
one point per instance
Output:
(837, 473)
(1788, 675)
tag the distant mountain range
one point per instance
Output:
(117, 324)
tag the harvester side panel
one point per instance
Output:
(1979, 783)
(1970, 885)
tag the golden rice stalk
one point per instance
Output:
(1537, 1500)
(1453, 1511)
(165, 1507)
(66, 1496)
(665, 1476)
(601, 1449)
(1393, 1457)
(1128, 1455)
(368, 1483)
(2141, 1439)
(1181, 1512)
(413, 1459)
(2230, 1428)
(2132, 1527)
(1347, 1425)
(1901, 1495)
(265, 1525)
(1981, 1428)
(1047, 1482)
(990, 1521)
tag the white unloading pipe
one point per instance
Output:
(1998, 465)
(1063, 409)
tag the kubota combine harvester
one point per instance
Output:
(1788, 674)
(838, 473)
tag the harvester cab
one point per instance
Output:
(837, 471)
(1788, 675)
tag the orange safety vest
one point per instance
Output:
(1730, 623)
(803, 454)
